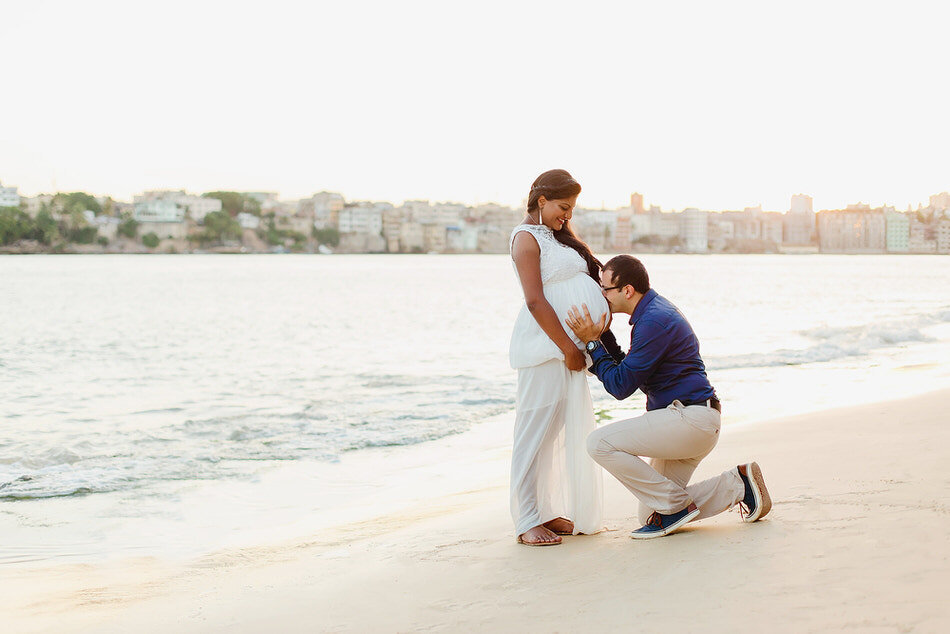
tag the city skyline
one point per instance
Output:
(635, 200)
(176, 221)
(713, 107)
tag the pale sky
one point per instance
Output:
(716, 105)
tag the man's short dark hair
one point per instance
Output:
(629, 270)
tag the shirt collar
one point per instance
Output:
(645, 301)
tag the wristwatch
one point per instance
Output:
(592, 345)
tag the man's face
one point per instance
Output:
(611, 293)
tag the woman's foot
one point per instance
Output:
(560, 525)
(539, 536)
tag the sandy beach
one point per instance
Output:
(857, 541)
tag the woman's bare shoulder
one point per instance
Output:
(524, 242)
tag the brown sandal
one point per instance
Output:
(570, 532)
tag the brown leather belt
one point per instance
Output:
(713, 403)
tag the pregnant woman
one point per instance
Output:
(556, 489)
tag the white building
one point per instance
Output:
(159, 210)
(462, 238)
(248, 221)
(798, 228)
(363, 218)
(622, 230)
(694, 230)
(921, 239)
(596, 227)
(411, 237)
(801, 204)
(326, 209)
(690, 226)
(196, 206)
(417, 210)
(772, 226)
(640, 226)
(940, 201)
(655, 223)
(106, 226)
(9, 196)
(449, 213)
(852, 231)
(897, 232)
(943, 236)
(262, 197)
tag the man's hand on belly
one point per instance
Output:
(584, 326)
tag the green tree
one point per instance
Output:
(219, 225)
(300, 240)
(83, 235)
(129, 227)
(252, 205)
(328, 236)
(77, 201)
(231, 202)
(236, 202)
(272, 235)
(150, 240)
(15, 225)
(47, 230)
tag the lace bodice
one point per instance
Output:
(559, 262)
(566, 283)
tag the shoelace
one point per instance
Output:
(654, 520)
(743, 509)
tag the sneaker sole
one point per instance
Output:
(675, 526)
(763, 503)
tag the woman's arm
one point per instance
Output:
(527, 256)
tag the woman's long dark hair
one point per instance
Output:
(555, 184)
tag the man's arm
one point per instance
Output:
(624, 378)
(613, 348)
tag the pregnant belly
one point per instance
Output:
(577, 291)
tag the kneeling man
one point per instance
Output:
(681, 425)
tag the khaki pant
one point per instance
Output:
(675, 439)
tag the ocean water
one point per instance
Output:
(128, 381)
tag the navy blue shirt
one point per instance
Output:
(663, 361)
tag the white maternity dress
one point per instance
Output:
(551, 473)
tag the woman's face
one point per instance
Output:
(555, 212)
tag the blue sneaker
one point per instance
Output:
(756, 503)
(659, 525)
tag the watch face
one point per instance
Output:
(591, 345)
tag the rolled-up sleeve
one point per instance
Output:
(648, 345)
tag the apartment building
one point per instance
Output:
(9, 197)
(854, 230)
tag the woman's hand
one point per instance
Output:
(574, 359)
